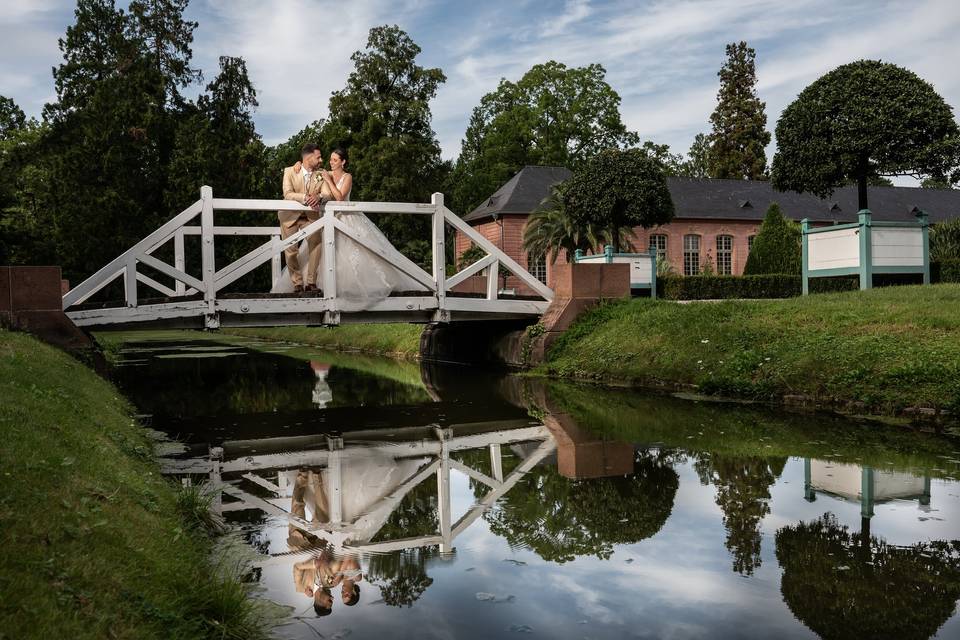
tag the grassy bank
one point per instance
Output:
(395, 340)
(878, 351)
(94, 543)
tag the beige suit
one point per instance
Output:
(292, 221)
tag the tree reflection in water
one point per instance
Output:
(743, 494)
(402, 576)
(846, 585)
(560, 519)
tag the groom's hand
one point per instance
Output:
(311, 200)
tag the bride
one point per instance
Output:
(363, 278)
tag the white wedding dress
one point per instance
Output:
(363, 277)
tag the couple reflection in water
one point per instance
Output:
(317, 576)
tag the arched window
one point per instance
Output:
(724, 255)
(537, 266)
(658, 242)
(691, 255)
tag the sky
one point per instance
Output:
(661, 57)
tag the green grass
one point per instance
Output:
(889, 348)
(94, 542)
(395, 340)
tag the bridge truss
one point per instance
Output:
(199, 301)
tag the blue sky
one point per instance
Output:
(662, 57)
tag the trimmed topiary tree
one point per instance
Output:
(860, 121)
(776, 249)
(618, 190)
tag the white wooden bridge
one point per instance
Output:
(198, 301)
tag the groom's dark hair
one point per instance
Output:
(307, 149)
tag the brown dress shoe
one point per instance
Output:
(298, 288)
(310, 287)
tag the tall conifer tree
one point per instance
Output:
(740, 136)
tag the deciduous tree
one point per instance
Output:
(862, 120)
(553, 115)
(619, 190)
(383, 117)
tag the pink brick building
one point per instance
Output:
(714, 222)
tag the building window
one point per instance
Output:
(658, 243)
(724, 255)
(691, 255)
(750, 243)
(537, 266)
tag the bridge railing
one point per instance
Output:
(213, 279)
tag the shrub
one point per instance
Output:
(779, 285)
(776, 249)
(945, 241)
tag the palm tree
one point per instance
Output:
(549, 230)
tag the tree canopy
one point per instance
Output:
(560, 519)
(845, 585)
(739, 138)
(618, 190)
(862, 120)
(554, 115)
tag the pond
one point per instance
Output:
(398, 500)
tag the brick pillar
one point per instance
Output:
(578, 288)
(31, 301)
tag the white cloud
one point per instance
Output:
(575, 11)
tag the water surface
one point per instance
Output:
(467, 504)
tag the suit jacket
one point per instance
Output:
(294, 189)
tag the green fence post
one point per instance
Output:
(805, 257)
(578, 255)
(925, 232)
(808, 493)
(608, 253)
(866, 492)
(866, 250)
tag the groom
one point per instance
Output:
(302, 186)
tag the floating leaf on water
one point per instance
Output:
(483, 596)
(521, 628)
(519, 563)
(469, 568)
(628, 560)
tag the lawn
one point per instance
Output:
(94, 542)
(878, 351)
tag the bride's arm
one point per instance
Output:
(334, 191)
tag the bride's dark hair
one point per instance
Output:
(340, 151)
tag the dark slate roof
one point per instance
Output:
(708, 198)
(522, 193)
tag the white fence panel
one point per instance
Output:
(834, 249)
(897, 247)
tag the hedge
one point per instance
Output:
(945, 270)
(757, 286)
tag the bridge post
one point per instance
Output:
(440, 257)
(329, 280)
(212, 321)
